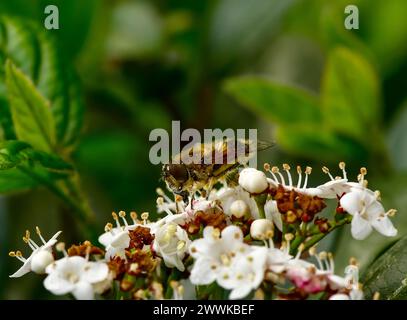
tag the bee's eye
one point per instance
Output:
(178, 171)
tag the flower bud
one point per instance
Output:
(41, 260)
(239, 209)
(253, 181)
(261, 229)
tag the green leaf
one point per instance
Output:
(10, 153)
(388, 274)
(14, 180)
(16, 153)
(312, 141)
(31, 114)
(36, 53)
(350, 95)
(273, 101)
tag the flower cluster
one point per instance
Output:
(256, 240)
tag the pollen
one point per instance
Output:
(274, 169)
(288, 236)
(299, 170)
(342, 165)
(353, 261)
(60, 246)
(38, 231)
(391, 212)
(376, 296)
(144, 215)
(18, 253)
(133, 215)
(323, 255)
(266, 166)
(108, 227)
(122, 214)
(325, 169)
(308, 170)
(363, 171)
(312, 251)
(12, 254)
(286, 167)
(180, 245)
(115, 216)
(193, 250)
(160, 201)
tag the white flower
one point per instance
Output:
(253, 180)
(368, 214)
(239, 209)
(352, 282)
(117, 239)
(272, 213)
(228, 196)
(245, 274)
(261, 229)
(39, 258)
(75, 275)
(171, 243)
(278, 259)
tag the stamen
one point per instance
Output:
(61, 248)
(361, 176)
(144, 217)
(273, 173)
(342, 166)
(108, 227)
(377, 195)
(116, 218)
(122, 215)
(299, 171)
(266, 167)
(19, 256)
(133, 216)
(312, 251)
(276, 170)
(287, 168)
(326, 171)
(308, 171)
(353, 261)
(160, 201)
(300, 250)
(391, 212)
(40, 235)
(331, 262)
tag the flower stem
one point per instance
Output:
(318, 237)
(260, 201)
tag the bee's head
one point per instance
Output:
(175, 175)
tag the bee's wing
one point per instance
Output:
(264, 145)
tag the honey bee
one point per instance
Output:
(223, 158)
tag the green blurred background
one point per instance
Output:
(289, 68)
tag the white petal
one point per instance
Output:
(232, 234)
(360, 227)
(384, 226)
(202, 273)
(57, 284)
(240, 292)
(339, 296)
(83, 291)
(121, 240)
(26, 268)
(272, 213)
(94, 272)
(352, 202)
(375, 210)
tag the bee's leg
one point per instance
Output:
(209, 189)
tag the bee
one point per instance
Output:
(217, 161)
